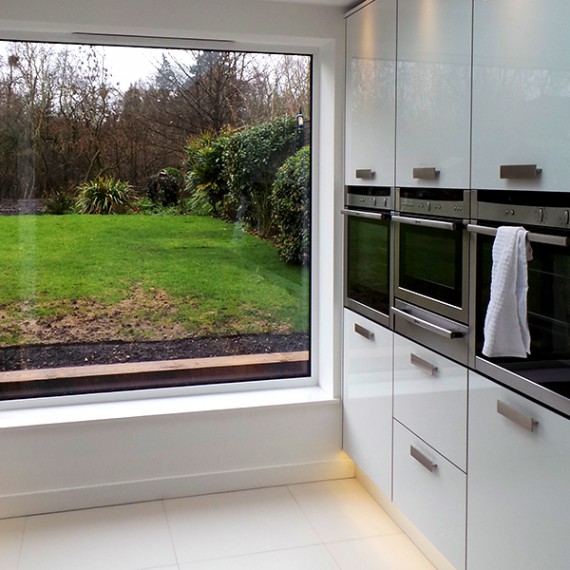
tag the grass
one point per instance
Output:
(131, 277)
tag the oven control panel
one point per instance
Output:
(434, 203)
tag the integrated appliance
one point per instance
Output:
(545, 374)
(431, 268)
(367, 287)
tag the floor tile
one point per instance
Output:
(234, 524)
(11, 534)
(306, 558)
(129, 537)
(342, 510)
(395, 552)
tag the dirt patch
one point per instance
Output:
(84, 354)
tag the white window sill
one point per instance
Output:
(101, 411)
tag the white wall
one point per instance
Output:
(55, 467)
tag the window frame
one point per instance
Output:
(235, 387)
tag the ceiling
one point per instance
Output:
(338, 3)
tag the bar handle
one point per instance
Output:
(526, 422)
(519, 171)
(369, 215)
(533, 237)
(431, 327)
(423, 364)
(428, 223)
(429, 173)
(364, 332)
(422, 459)
(365, 173)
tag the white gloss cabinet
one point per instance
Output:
(519, 468)
(431, 492)
(430, 398)
(521, 94)
(370, 94)
(433, 93)
(367, 398)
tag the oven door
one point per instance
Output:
(367, 264)
(545, 374)
(432, 265)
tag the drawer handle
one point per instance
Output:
(423, 364)
(526, 422)
(365, 173)
(431, 327)
(425, 173)
(359, 329)
(519, 171)
(422, 459)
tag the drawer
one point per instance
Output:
(430, 398)
(431, 492)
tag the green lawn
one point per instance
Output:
(90, 278)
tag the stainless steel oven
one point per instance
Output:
(367, 284)
(431, 268)
(545, 374)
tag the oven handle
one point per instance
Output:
(368, 215)
(533, 237)
(438, 224)
(442, 331)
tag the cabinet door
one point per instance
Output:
(430, 398)
(367, 424)
(370, 94)
(519, 501)
(521, 93)
(431, 492)
(433, 93)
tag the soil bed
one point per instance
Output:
(83, 354)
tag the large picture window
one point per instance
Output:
(154, 217)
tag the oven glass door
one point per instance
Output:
(367, 263)
(548, 308)
(431, 267)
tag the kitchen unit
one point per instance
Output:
(519, 460)
(433, 93)
(481, 446)
(370, 94)
(367, 398)
(521, 74)
(430, 445)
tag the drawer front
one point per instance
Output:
(367, 398)
(519, 466)
(431, 492)
(430, 398)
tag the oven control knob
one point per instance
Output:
(566, 217)
(509, 212)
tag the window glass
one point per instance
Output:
(154, 217)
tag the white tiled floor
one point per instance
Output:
(332, 525)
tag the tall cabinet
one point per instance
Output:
(433, 93)
(370, 94)
(521, 94)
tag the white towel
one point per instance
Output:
(506, 327)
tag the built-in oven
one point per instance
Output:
(545, 373)
(431, 268)
(367, 285)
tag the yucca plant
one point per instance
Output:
(104, 195)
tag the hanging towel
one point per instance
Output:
(506, 328)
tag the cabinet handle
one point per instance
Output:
(359, 329)
(365, 173)
(423, 364)
(422, 459)
(519, 171)
(425, 173)
(527, 422)
(431, 327)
